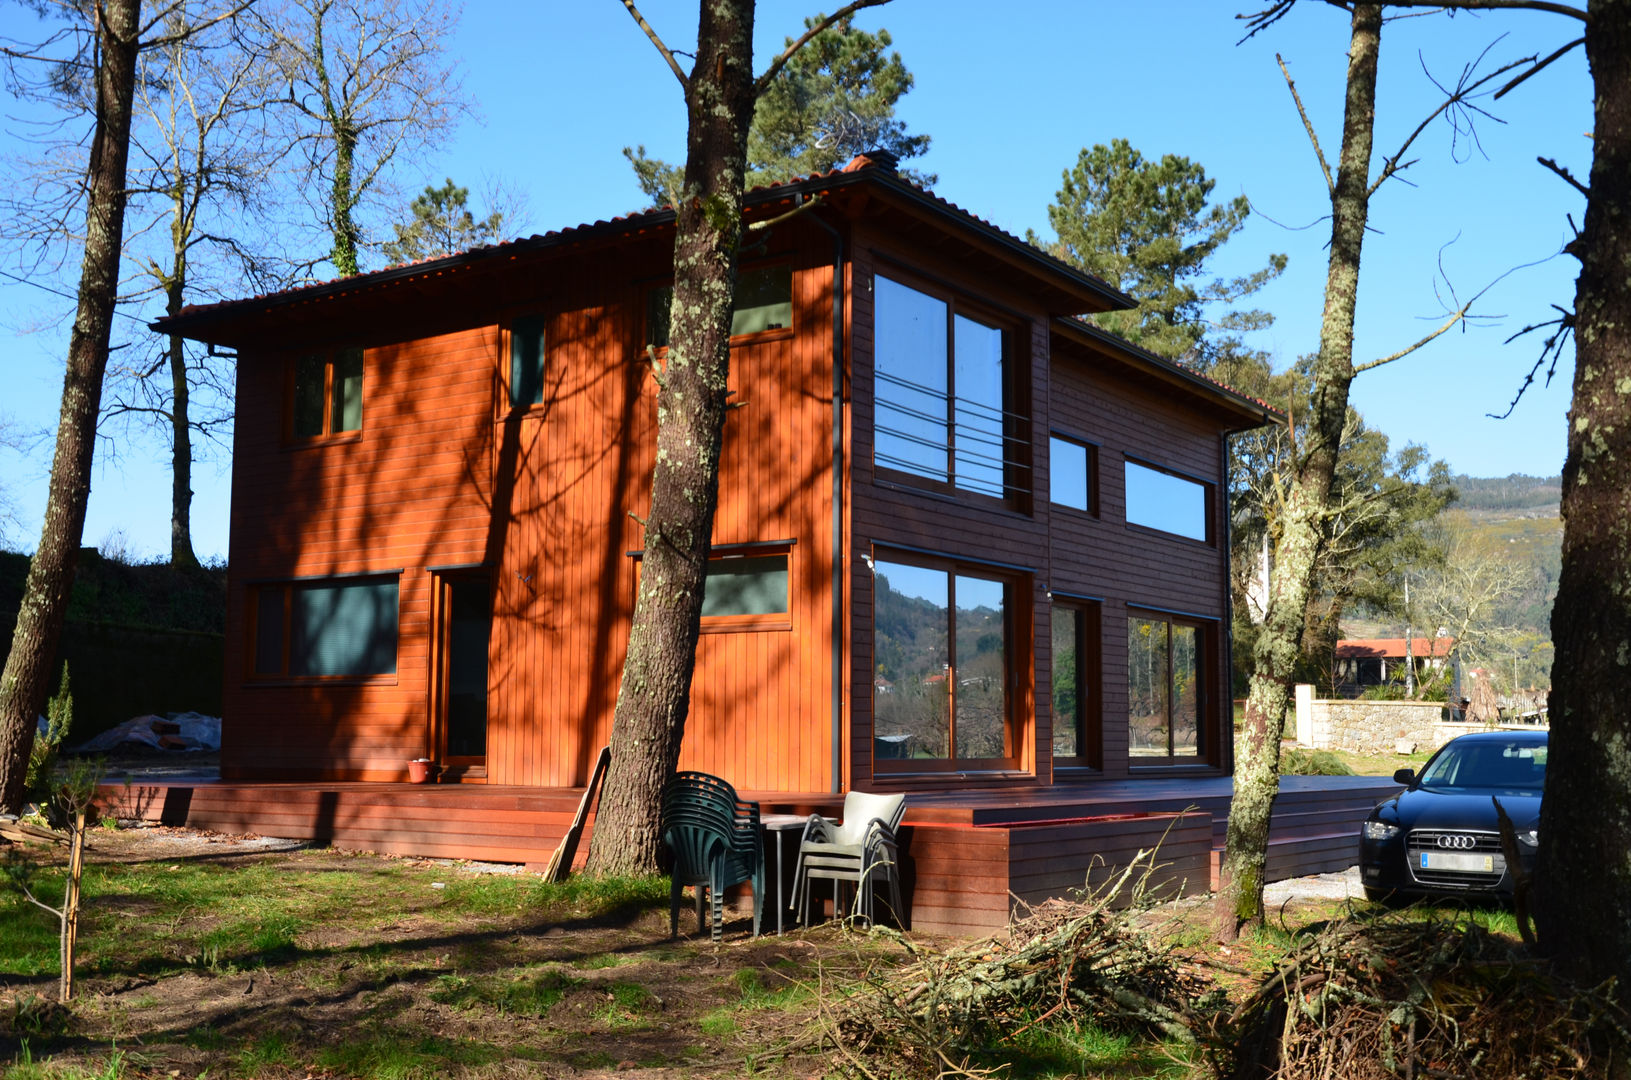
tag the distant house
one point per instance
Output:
(1363, 662)
(960, 533)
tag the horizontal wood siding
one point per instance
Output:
(1095, 399)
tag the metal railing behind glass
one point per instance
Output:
(956, 440)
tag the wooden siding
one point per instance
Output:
(1068, 389)
(443, 475)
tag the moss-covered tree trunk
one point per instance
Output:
(27, 677)
(1318, 440)
(655, 693)
(1583, 908)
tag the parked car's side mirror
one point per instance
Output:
(1404, 776)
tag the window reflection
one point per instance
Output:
(1160, 500)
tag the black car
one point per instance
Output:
(1439, 836)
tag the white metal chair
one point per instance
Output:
(860, 850)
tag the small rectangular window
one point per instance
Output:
(307, 630)
(763, 301)
(750, 585)
(326, 395)
(1161, 500)
(526, 361)
(1070, 474)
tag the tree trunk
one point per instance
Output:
(655, 693)
(27, 677)
(1257, 760)
(181, 445)
(1584, 876)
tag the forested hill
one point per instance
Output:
(1515, 496)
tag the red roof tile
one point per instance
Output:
(1393, 648)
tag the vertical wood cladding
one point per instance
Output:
(444, 474)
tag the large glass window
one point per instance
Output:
(941, 646)
(326, 394)
(1165, 690)
(1166, 501)
(942, 393)
(327, 628)
(1075, 683)
(763, 301)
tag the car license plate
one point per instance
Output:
(1456, 860)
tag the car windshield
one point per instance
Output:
(1508, 766)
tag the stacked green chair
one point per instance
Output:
(716, 843)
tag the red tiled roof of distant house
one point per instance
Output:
(1393, 648)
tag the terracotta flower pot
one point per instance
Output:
(419, 770)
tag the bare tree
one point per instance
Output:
(106, 56)
(655, 694)
(1307, 500)
(367, 85)
(201, 158)
(94, 56)
(1467, 597)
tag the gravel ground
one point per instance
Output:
(1343, 886)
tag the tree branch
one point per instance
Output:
(777, 64)
(1541, 66)
(667, 53)
(1308, 126)
(1566, 175)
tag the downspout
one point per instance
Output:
(838, 559)
(1228, 609)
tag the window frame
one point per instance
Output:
(1093, 484)
(1089, 718)
(1207, 655)
(774, 621)
(1017, 642)
(255, 597)
(1016, 409)
(754, 338)
(1209, 501)
(291, 379)
(506, 352)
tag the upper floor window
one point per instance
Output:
(763, 301)
(526, 361)
(327, 394)
(306, 629)
(1070, 474)
(1162, 500)
(942, 395)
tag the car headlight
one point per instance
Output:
(1379, 830)
(1529, 837)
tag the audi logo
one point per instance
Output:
(1460, 843)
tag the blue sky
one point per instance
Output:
(1010, 99)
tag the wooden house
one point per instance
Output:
(963, 537)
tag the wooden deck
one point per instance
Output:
(968, 855)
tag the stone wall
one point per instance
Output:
(1375, 727)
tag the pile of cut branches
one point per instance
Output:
(1067, 960)
(1393, 995)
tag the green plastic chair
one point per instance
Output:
(716, 843)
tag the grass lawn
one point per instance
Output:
(199, 957)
